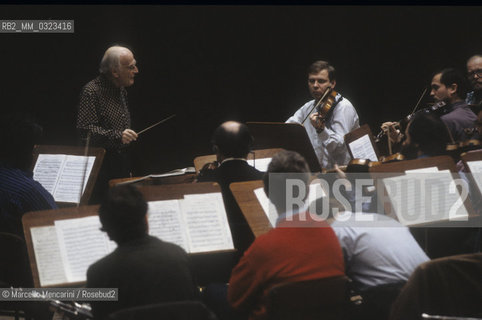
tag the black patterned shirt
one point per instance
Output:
(104, 112)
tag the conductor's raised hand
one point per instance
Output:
(128, 136)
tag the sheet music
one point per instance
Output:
(81, 243)
(47, 256)
(475, 168)
(362, 148)
(315, 192)
(46, 170)
(165, 222)
(423, 170)
(260, 164)
(206, 222)
(268, 207)
(414, 203)
(61, 175)
(71, 177)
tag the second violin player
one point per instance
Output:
(450, 87)
(326, 131)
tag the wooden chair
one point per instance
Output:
(313, 299)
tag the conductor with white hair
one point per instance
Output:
(103, 114)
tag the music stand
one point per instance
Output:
(355, 135)
(398, 168)
(212, 266)
(47, 218)
(244, 194)
(98, 153)
(476, 172)
(288, 136)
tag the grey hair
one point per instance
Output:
(474, 57)
(111, 59)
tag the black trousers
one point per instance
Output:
(116, 164)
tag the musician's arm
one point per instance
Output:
(88, 120)
(301, 114)
(344, 120)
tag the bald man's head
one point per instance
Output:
(474, 72)
(232, 140)
(111, 59)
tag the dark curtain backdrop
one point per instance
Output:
(208, 64)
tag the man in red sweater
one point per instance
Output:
(297, 249)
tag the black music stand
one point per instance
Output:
(288, 136)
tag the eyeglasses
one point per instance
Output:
(477, 72)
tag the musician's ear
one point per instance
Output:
(333, 84)
(115, 73)
(453, 88)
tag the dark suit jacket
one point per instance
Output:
(146, 271)
(228, 172)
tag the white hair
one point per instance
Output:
(111, 59)
(474, 57)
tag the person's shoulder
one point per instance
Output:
(208, 175)
(257, 175)
(92, 86)
(166, 246)
(102, 266)
(261, 246)
(245, 165)
(23, 181)
(345, 103)
(15, 174)
(364, 219)
(238, 170)
(270, 240)
(459, 113)
(307, 104)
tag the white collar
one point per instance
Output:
(231, 159)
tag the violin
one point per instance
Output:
(393, 157)
(324, 107)
(437, 108)
(469, 145)
(328, 104)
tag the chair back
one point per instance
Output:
(179, 310)
(313, 299)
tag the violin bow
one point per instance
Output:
(419, 100)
